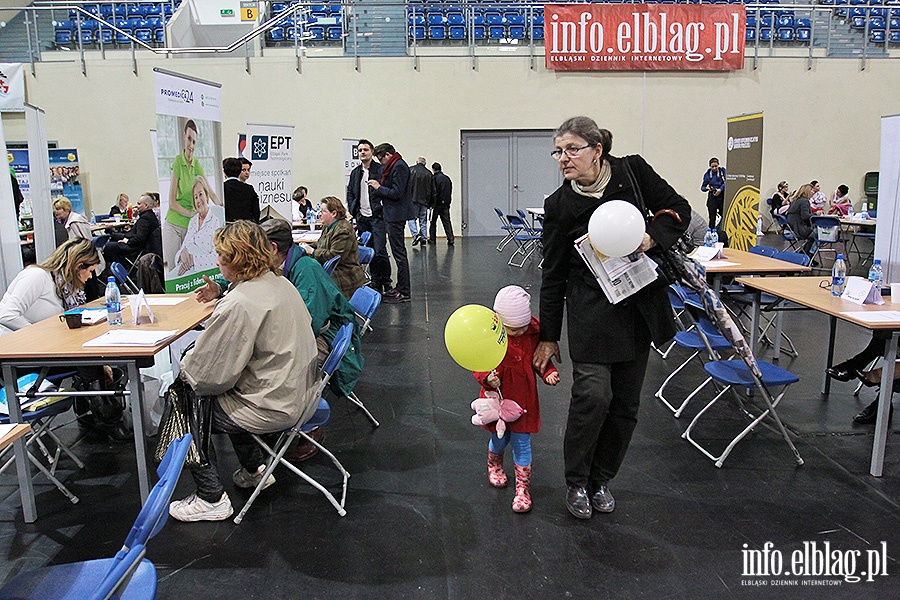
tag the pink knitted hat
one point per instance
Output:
(513, 304)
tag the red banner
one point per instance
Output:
(644, 37)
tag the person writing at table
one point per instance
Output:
(609, 344)
(339, 239)
(255, 361)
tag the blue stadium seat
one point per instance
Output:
(276, 34)
(765, 35)
(784, 21)
(152, 11)
(143, 31)
(455, 18)
(63, 33)
(751, 22)
(134, 11)
(105, 36)
(493, 17)
(127, 26)
(513, 18)
(517, 32)
(317, 33)
(457, 32)
(416, 33)
(786, 34)
(335, 34)
(417, 19)
(750, 34)
(876, 23)
(478, 32)
(435, 18)
(858, 22)
(279, 7)
(437, 32)
(537, 32)
(803, 34)
(877, 35)
(894, 37)
(801, 22)
(496, 32)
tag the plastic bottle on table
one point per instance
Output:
(838, 276)
(876, 274)
(93, 218)
(113, 303)
(850, 212)
(715, 236)
(707, 238)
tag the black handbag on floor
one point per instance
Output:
(185, 412)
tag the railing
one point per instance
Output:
(835, 28)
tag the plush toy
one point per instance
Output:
(496, 408)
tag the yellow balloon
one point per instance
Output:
(475, 338)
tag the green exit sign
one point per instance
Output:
(226, 12)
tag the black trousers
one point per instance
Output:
(442, 212)
(396, 237)
(714, 206)
(602, 417)
(381, 265)
(875, 349)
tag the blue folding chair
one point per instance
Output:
(788, 235)
(510, 230)
(528, 240)
(315, 415)
(41, 421)
(365, 302)
(366, 255)
(126, 575)
(864, 234)
(827, 230)
(330, 264)
(364, 238)
(121, 275)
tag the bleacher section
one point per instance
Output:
(145, 21)
(438, 23)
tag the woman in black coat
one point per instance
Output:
(609, 344)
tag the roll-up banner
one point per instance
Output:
(271, 150)
(189, 163)
(644, 37)
(742, 183)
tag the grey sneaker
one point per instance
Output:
(244, 479)
(194, 508)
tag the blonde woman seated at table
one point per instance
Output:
(47, 289)
(121, 206)
(256, 362)
(197, 252)
(338, 239)
(77, 226)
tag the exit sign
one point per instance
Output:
(226, 12)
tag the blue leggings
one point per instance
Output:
(521, 446)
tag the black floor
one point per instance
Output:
(422, 521)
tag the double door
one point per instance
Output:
(507, 170)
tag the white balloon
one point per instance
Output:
(616, 228)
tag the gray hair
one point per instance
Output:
(586, 128)
(420, 160)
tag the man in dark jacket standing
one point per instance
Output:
(368, 214)
(443, 192)
(392, 191)
(241, 200)
(421, 183)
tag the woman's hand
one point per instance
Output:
(493, 379)
(552, 378)
(647, 243)
(543, 353)
(208, 292)
(307, 248)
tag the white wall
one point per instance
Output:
(819, 124)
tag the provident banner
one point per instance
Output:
(644, 37)
(271, 150)
(189, 163)
(12, 87)
(742, 183)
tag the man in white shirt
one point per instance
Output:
(368, 214)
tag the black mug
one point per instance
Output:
(72, 319)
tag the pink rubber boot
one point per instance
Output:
(496, 475)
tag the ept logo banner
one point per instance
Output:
(259, 147)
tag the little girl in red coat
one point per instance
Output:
(516, 375)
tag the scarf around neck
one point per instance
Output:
(596, 189)
(71, 295)
(389, 167)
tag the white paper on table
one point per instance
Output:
(6, 429)
(92, 316)
(874, 316)
(861, 291)
(169, 301)
(131, 337)
(707, 253)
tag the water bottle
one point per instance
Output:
(876, 275)
(714, 236)
(708, 238)
(850, 212)
(113, 303)
(93, 218)
(838, 276)
(759, 226)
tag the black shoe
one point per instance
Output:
(432, 241)
(602, 500)
(869, 414)
(578, 502)
(398, 298)
(840, 373)
(861, 375)
(390, 292)
(416, 240)
(451, 243)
